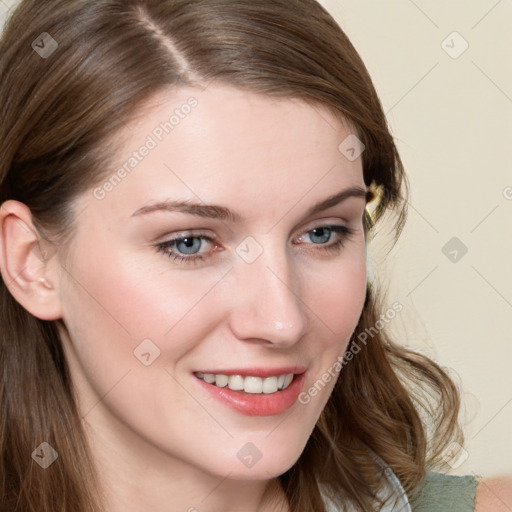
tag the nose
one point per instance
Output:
(268, 300)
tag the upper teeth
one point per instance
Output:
(249, 384)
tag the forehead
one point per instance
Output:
(223, 144)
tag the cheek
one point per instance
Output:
(336, 297)
(117, 310)
(112, 307)
(132, 300)
(337, 307)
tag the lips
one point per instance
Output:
(254, 391)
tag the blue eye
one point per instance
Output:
(189, 245)
(324, 233)
(186, 248)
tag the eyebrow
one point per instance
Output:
(213, 211)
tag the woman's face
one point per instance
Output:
(261, 286)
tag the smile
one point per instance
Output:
(249, 383)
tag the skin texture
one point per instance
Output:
(494, 495)
(160, 441)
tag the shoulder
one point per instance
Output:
(494, 494)
(440, 491)
(466, 493)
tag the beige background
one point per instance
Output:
(451, 114)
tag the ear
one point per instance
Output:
(27, 265)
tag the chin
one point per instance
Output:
(272, 462)
(262, 472)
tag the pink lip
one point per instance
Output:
(256, 404)
(259, 372)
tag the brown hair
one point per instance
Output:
(60, 118)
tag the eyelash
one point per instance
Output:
(344, 231)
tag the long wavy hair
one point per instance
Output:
(60, 117)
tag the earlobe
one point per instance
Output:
(26, 269)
